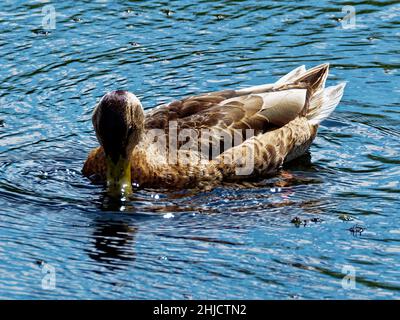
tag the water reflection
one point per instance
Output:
(113, 242)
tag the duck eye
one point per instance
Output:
(130, 131)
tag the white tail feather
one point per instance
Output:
(324, 102)
(292, 75)
(287, 78)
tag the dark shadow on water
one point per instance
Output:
(301, 163)
(113, 243)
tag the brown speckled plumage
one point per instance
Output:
(284, 117)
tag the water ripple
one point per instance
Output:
(239, 240)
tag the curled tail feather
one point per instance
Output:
(314, 78)
(323, 103)
(292, 76)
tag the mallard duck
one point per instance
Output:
(164, 147)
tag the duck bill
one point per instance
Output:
(119, 177)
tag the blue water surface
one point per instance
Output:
(60, 238)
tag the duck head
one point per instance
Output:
(118, 120)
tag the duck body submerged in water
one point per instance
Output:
(201, 141)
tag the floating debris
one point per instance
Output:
(220, 16)
(43, 174)
(167, 12)
(297, 221)
(41, 32)
(1, 123)
(345, 217)
(39, 262)
(357, 229)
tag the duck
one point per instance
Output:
(204, 140)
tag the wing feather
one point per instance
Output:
(261, 108)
